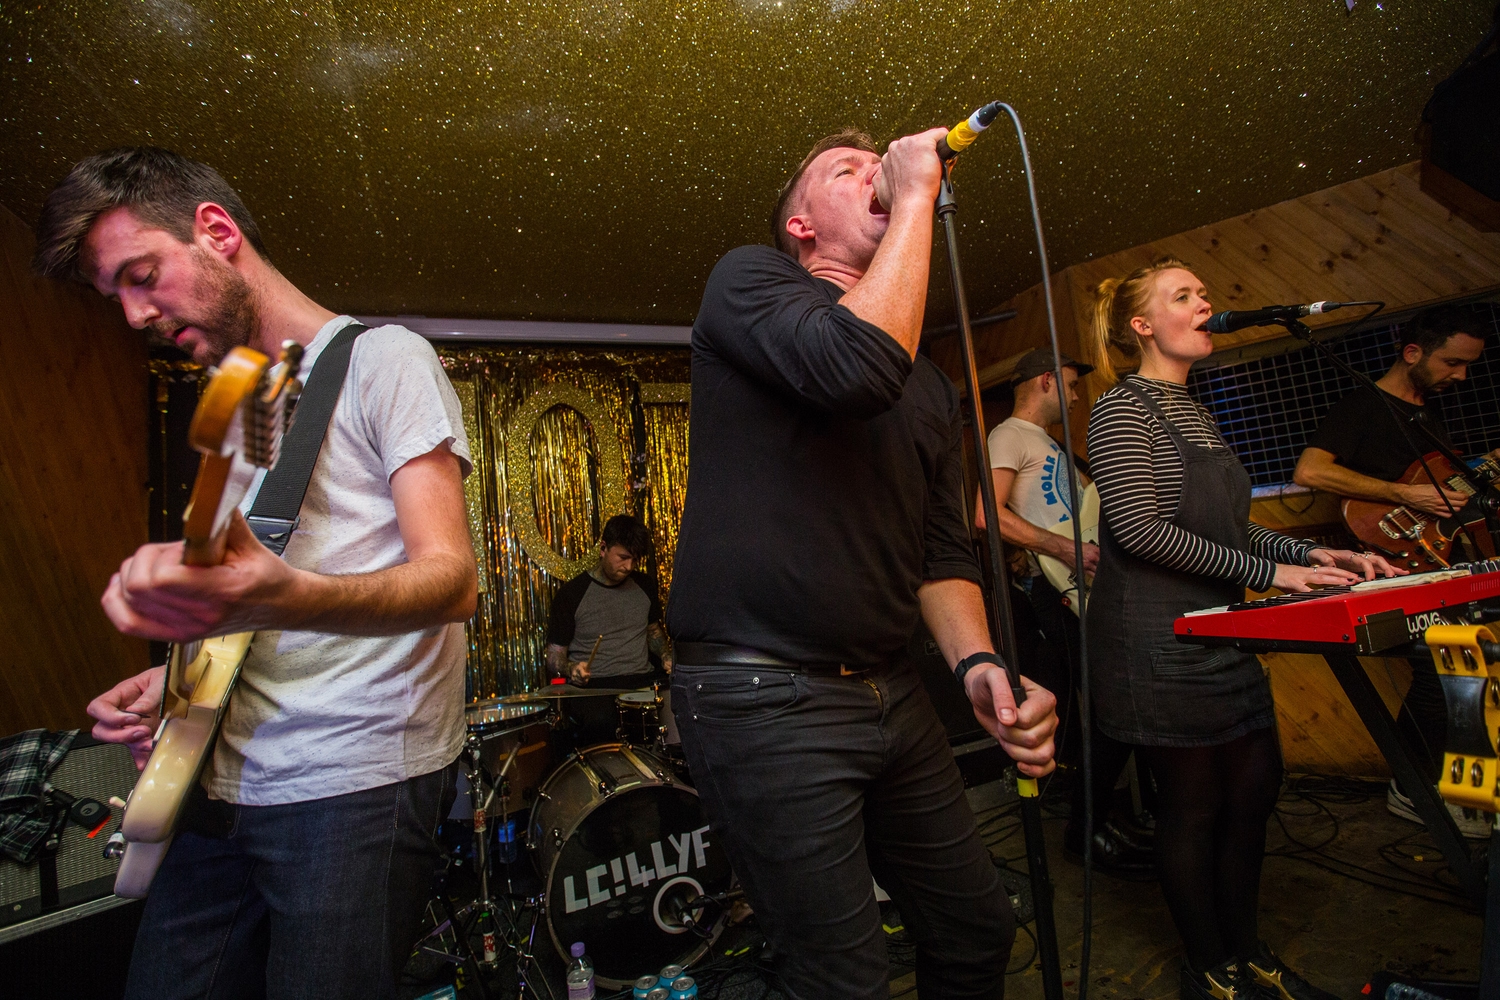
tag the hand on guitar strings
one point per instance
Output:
(1025, 732)
(127, 713)
(156, 596)
(1064, 555)
(1366, 565)
(1429, 500)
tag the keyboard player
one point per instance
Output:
(1175, 536)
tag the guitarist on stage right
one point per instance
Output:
(1360, 451)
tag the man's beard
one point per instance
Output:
(229, 315)
(1422, 378)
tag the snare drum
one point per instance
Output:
(511, 732)
(623, 850)
(640, 714)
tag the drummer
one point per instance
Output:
(606, 629)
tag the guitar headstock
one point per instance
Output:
(237, 427)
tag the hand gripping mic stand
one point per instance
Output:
(1000, 616)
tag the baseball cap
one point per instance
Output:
(1039, 361)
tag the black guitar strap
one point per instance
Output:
(274, 515)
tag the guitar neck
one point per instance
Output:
(203, 544)
(1488, 470)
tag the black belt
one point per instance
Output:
(719, 654)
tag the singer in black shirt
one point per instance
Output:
(824, 514)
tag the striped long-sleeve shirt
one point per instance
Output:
(1139, 476)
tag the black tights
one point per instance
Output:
(1212, 808)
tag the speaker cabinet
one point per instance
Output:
(78, 872)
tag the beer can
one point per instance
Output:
(669, 973)
(684, 988)
(660, 993)
(644, 986)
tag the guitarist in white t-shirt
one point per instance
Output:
(1031, 473)
(303, 864)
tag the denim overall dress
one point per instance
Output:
(1148, 688)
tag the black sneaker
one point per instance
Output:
(1114, 854)
(1276, 982)
(1225, 981)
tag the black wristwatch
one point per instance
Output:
(974, 660)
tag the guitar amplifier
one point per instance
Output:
(78, 872)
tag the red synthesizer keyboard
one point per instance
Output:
(1362, 620)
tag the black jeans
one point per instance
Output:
(814, 783)
(319, 899)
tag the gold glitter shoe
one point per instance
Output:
(1225, 981)
(1275, 981)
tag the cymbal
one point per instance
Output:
(554, 691)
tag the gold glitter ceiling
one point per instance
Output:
(591, 160)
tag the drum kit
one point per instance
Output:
(626, 860)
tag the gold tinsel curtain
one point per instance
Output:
(563, 439)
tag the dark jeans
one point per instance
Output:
(813, 783)
(319, 899)
(1060, 626)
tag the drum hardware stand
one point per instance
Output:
(1000, 613)
(522, 948)
(485, 909)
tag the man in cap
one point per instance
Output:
(1031, 475)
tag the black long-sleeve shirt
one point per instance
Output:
(1139, 475)
(824, 478)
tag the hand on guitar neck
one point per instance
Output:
(158, 595)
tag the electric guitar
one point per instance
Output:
(1414, 539)
(1055, 570)
(237, 427)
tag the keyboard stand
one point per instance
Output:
(1413, 779)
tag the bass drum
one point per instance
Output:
(623, 850)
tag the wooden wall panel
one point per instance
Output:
(73, 473)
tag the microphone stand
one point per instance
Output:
(1000, 616)
(1485, 493)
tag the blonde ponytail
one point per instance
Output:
(1116, 302)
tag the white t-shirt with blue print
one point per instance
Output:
(1040, 491)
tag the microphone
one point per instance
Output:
(1231, 320)
(961, 136)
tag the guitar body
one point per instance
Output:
(1055, 570)
(237, 426)
(1411, 538)
(182, 747)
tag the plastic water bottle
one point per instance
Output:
(580, 975)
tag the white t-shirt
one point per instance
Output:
(1040, 492)
(317, 715)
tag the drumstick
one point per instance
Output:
(585, 664)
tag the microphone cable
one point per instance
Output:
(1086, 715)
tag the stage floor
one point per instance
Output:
(1333, 928)
(1343, 895)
